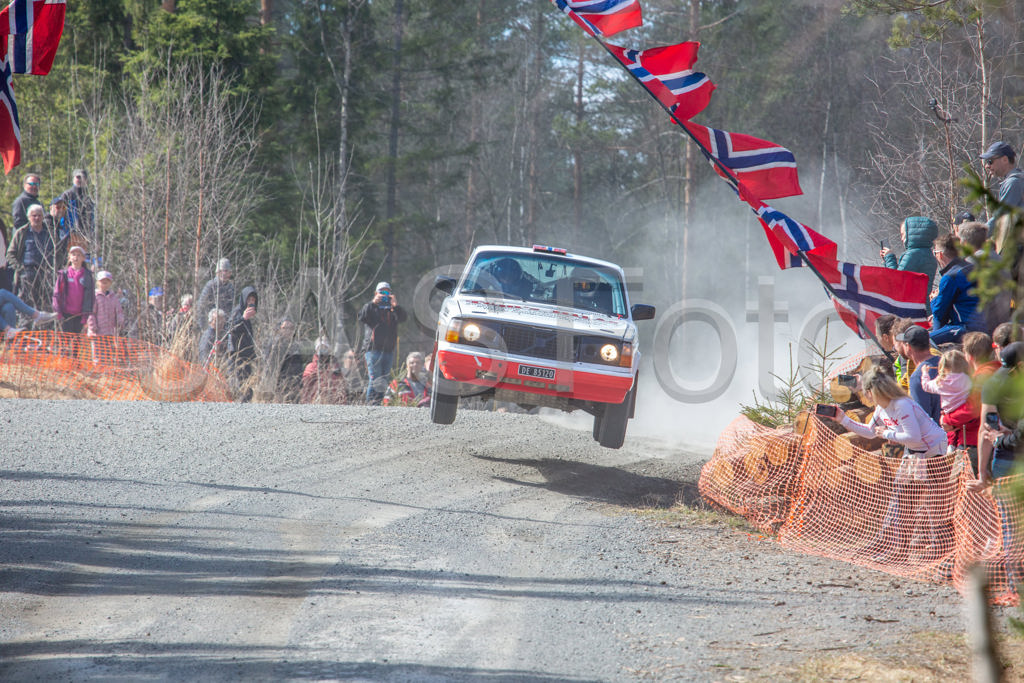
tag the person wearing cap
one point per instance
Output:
(81, 208)
(29, 196)
(74, 292)
(218, 292)
(35, 255)
(322, 380)
(380, 317)
(57, 221)
(918, 347)
(955, 305)
(918, 233)
(1001, 162)
(107, 319)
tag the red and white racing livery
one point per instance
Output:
(539, 327)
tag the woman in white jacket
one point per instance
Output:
(899, 419)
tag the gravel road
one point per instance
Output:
(278, 542)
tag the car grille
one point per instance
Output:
(544, 343)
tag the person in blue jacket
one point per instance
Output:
(918, 233)
(955, 305)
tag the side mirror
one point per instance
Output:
(642, 312)
(445, 284)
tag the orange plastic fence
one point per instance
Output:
(62, 365)
(823, 496)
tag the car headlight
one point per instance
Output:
(609, 353)
(471, 332)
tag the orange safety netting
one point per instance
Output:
(821, 495)
(63, 365)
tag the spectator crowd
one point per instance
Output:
(48, 264)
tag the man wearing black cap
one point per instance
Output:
(1000, 162)
(918, 345)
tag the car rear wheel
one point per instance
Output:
(610, 428)
(443, 405)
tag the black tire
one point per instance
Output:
(597, 424)
(443, 406)
(611, 432)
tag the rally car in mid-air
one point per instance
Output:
(539, 327)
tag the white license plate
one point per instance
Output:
(541, 373)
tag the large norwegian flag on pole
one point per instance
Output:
(33, 29)
(667, 73)
(763, 170)
(863, 293)
(10, 131)
(788, 237)
(602, 17)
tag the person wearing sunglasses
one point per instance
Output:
(1001, 162)
(29, 196)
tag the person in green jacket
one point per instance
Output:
(918, 233)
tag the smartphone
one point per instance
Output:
(825, 410)
(847, 381)
(881, 243)
(992, 420)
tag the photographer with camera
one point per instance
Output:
(381, 318)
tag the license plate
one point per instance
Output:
(541, 373)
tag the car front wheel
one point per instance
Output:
(443, 406)
(610, 428)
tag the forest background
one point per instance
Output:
(324, 146)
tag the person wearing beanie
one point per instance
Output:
(217, 293)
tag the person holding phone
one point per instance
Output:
(899, 419)
(380, 317)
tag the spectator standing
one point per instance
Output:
(351, 371)
(81, 209)
(275, 380)
(974, 234)
(34, 255)
(918, 347)
(215, 343)
(218, 292)
(74, 292)
(413, 387)
(6, 277)
(28, 197)
(904, 366)
(1001, 162)
(151, 322)
(243, 341)
(181, 319)
(57, 221)
(322, 381)
(1003, 397)
(955, 305)
(966, 420)
(381, 317)
(1005, 334)
(107, 318)
(918, 233)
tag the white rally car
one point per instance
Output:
(539, 327)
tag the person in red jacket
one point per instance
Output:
(964, 422)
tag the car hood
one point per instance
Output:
(543, 315)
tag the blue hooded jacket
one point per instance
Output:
(956, 302)
(918, 258)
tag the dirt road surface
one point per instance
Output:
(276, 542)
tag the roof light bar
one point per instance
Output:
(550, 250)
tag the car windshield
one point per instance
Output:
(547, 279)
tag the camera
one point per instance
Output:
(385, 300)
(992, 420)
(849, 381)
(825, 410)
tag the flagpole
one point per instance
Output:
(860, 323)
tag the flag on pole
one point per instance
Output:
(787, 237)
(667, 73)
(764, 170)
(867, 292)
(33, 29)
(10, 132)
(602, 17)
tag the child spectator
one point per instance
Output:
(107, 318)
(74, 292)
(953, 385)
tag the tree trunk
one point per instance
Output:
(391, 202)
(577, 156)
(469, 216)
(266, 6)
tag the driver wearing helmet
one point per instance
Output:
(585, 287)
(510, 277)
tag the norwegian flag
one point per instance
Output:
(667, 72)
(10, 131)
(787, 237)
(867, 292)
(602, 17)
(763, 169)
(33, 30)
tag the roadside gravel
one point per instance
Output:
(280, 542)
